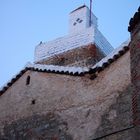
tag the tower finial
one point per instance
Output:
(90, 12)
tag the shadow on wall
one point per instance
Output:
(47, 127)
(117, 122)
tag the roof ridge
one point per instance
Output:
(112, 54)
(80, 7)
(56, 68)
(134, 21)
(75, 71)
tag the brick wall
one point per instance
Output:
(135, 75)
(83, 56)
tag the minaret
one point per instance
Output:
(79, 19)
(84, 45)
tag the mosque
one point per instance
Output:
(77, 88)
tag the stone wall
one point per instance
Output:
(63, 107)
(85, 56)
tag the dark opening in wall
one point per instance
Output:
(33, 102)
(74, 23)
(28, 80)
(80, 21)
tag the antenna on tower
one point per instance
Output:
(90, 13)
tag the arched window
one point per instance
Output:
(28, 80)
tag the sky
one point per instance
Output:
(24, 23)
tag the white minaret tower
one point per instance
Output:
(79, 19)
(83, 46)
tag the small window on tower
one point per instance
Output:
(28, 80)
(78, 19)
(74, 23)
(81, 21)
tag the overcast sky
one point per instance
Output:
(24, 23)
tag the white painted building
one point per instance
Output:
(81, 33)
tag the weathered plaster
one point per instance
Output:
(78, 101)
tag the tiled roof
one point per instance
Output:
(75, 71)
(115, 54)
(58, 69)
(134, 21)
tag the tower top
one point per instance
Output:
(81, 18)
(78, 8)
(83, 32)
